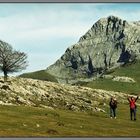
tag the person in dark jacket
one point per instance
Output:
(132, 105)
(113, 106)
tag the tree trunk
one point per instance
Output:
(5, 76)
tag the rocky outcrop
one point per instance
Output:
(50, 95)
(124, 79)
(119, 78)
(109, 43)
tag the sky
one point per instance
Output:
(45, 30)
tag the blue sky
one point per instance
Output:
(45, 31)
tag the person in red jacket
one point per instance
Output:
(132, 104)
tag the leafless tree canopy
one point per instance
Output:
(11, 60)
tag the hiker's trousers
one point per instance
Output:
(112, 112)
(133, 113)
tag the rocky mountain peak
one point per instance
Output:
(111, 42)
(109, 25)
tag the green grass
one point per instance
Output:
(107, 84)
(40, 75)
(60, 123)
(132, 71)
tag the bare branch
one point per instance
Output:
(11, 60)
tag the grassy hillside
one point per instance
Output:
(40, 75)
(30, 121)
(131, 70)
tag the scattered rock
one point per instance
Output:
(124, 79)
(5, 87)
(81, 126)
(48, 107)
(53, 95)
(24, 124)
(37, 125)
(52, 131)
(5, 103)
(99, 109)
(60, 124)
(74, 108)
(20, 100)
(95, 103)
(1, 81)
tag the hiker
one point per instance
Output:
(132, 104)
(113, 106)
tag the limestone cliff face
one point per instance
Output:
(109, 43)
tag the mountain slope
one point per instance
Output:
(40, 75)
(45, 94)
(110, 42)
(124, 79)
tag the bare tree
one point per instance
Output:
(11, 60)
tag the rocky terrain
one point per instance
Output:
(22, 91)
(110, 43)
(119, 78)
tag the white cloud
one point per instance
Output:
(36, 27)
